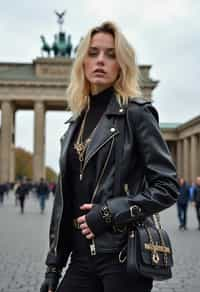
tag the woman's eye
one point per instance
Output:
(111, 54)
(92, 53)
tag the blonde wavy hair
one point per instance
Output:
(127, 84)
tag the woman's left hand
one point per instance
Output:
(83, 224)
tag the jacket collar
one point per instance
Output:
(113, 109)
(104, 131)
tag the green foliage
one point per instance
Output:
(51, 176)
(23, 163)
(24, 166)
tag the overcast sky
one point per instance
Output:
(165, 34)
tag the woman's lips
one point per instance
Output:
(99, 71)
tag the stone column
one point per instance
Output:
(6, 140)
(39, 141)
(174, 152)
(0, 141)
(194, 157)
(186, 165)
(179, 157)
(12, 154)
(198, 155)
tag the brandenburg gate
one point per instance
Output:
(41, 86)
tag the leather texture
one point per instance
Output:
(50, 282)
(146, 168)
(140, 260)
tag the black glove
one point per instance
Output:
(52, 276)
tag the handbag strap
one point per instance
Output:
(156, 219)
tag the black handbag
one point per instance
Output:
(149, 251)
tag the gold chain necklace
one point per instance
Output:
(80, 146)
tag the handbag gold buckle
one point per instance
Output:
(122, 258)
(135, 210)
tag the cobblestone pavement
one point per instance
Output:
(23, 247)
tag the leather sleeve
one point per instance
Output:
(59, 257)
(95, 221)
(162, 187)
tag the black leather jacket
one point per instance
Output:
(147, 175)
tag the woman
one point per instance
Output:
(112, 158)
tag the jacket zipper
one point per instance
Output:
(92, 245)
(61, 192)
(86, 162)
(102, 173)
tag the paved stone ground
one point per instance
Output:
(23, 247)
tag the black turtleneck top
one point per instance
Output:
(81, 190)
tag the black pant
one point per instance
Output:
(101, 273)
(21, 200)
(182, 214)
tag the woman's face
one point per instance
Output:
(100, 66)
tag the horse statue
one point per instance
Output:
(61, 46)
(45, 46)
(68, 46)
(55, 47)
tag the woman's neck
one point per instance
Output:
(95, 89)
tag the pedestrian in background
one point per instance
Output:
(22, 192)
(42, 191)
(192, 187)
(3, 190)
(196, 199)
(113, 158)
(182, 203)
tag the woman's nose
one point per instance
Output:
(101, 57)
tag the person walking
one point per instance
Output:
(21, 193)
(113, 158)
(3, 190)
(196, 199)
(42, 193)
(182, 203)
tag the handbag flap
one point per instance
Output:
(155, 246)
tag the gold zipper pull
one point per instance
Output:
(92, 248)
(126, 189)
(132, 234)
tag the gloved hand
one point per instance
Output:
(50, 283)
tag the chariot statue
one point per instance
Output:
(45, 46)
(62, 44)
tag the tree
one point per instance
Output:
(24, 166)
(51, 176)
(23, 163)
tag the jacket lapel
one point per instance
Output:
(105, 129)
(65, 140)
